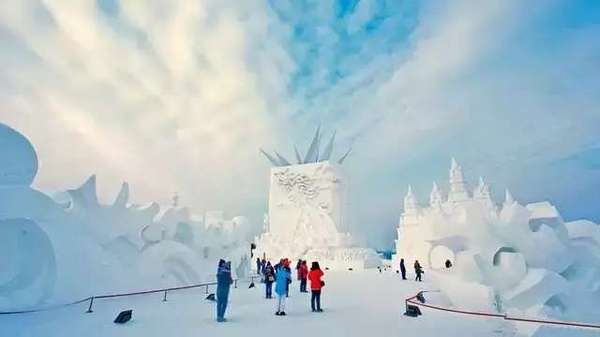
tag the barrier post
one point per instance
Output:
(165, 296)
(235, 283)
(206, 292)
(90, 307)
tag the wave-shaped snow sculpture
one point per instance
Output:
(28, 266)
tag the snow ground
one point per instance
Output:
(362, 304)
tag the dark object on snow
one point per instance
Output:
(420, 297)
(251, 285)
(412, 311)
(350, 269)
(448, 264)
(211, 297)
(123, 317)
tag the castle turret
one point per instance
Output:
(435, 198)
(508, 198)
(411, 209)
(482, 193)
(458, 188)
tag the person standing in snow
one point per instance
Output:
(316, 285)
(269, 279)
(302, 275)
(402, 269)
(224, 282)
(298, 264)
(258, 266)
(418, 271)
(283, 277)
(263, 264)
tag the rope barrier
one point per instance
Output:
(412, 299)
(108, 296)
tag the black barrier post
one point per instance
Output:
(90, 307)
(165, 296)
(235, 283)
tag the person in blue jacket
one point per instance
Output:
(283, 277)
(224, 282)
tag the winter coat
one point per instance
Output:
(269, 272)
(224, 280)
(282, 277)
(303, 272)
(315, 279)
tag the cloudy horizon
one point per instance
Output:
(178, 97)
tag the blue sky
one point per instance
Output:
(179, 96)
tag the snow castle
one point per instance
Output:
(505, 258)
(306, 211)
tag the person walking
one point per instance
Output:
(418, 271)
(302, 275)
(283, 277)
(258, 266)
(269, 279)
(316, 285)
(402, 269)
(224, 282)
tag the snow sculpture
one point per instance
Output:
(55, 251)
(522, 259)
(306, 212)
(18, 158)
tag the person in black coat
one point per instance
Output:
(402, 269)
(418, 271)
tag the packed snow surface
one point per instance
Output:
(363, 303)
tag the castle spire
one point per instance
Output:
(458, 189)
(410, 202)
(508, 199)
(435, 198)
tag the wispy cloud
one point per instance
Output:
(179, 96)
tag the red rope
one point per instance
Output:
(411, 300)
(144, 292)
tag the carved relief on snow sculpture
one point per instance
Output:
(523, 259)
(306, 211)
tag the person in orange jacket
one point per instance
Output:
(316, 284)
(302, 275)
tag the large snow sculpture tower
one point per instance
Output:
(306, 211)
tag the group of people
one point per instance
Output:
(281, 275)
(418, 270)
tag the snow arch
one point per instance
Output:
(498, 254)
(439, 255)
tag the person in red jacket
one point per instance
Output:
(316, 284)
(302, 275)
